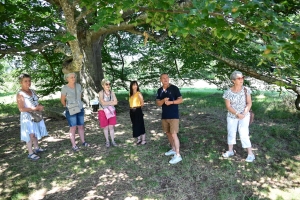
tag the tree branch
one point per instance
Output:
(253, 73)
(83, 14)
(122, 27)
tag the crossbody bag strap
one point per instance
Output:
(103, 98)
(245, 90)
(75, 94)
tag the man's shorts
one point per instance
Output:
(170, 125)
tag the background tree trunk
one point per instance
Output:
(91, 73)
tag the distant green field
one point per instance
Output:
(6, 94)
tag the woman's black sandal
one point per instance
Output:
(33, 157)
(138, 142)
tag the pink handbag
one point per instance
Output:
(109, 112)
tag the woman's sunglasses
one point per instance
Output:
(107, 84)
(240, 78)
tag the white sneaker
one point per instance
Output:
(170, 153)
(175, 159)
(228, 154)
(250, 158)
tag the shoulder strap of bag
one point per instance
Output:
(245, 90)
(103, 97)
(75, 92)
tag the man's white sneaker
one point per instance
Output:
(170, 153)
(250, 158)
(175, 159)
(228, 154)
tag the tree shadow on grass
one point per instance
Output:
(143, 171)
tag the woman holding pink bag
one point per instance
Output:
(107, 112)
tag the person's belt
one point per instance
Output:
(135, 107)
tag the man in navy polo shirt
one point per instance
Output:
(168, 97)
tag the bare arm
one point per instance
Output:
(179, 100)
(248, 104)
(107, 103)
(232, 110)
(115, 101)
(63, 100)
(161, 102)
(141, 99)
(21, 103)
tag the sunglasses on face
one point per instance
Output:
(107, 84)
(240, 78)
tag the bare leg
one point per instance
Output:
(112, 132)
(230, 147)
(138, 140)
(176, 143)
(106, 133)
(34, 141)
(250, 151)
(81, 133)
(29, 145)
(170, 138)
(144, 138)
(72, 135)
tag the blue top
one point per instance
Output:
(171, 111)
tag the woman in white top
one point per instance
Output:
(107, 99)
(31, 131)
(238, 103)
(70, 94)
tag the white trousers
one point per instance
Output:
(242, 126)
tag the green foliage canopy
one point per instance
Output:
(190, 39)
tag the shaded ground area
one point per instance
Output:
(140, 172)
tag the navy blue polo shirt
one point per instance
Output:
(171, 111)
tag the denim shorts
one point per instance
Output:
(75, 120)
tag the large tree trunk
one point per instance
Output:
(91, 73)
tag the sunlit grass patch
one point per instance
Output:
(132, 171)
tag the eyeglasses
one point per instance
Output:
(240, 78)
(107, 84)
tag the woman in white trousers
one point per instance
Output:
(238, 103)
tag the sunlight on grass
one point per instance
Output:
(132, 198)
(110, 177)
(284, 194)
(132, 171)
(58, 187)
(261, 96)
(38, 194)
(120, 132)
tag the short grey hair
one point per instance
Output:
(104, 81)
(234, 75)
(67, 75)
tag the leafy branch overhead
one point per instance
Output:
(255, 36)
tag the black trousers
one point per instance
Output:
(137, 120)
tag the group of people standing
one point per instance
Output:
(168, 97)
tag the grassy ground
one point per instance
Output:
(143, 172)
